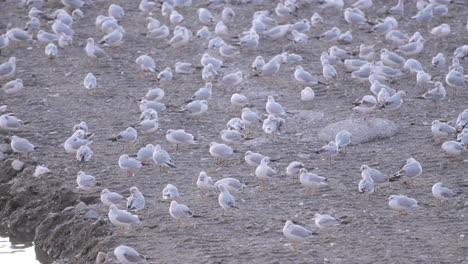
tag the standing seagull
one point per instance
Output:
(162, 158)
(129, 165)
(225, 199)
(411, 169)
(295, 233)
(21, 146)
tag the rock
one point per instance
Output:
(81, 206)
(362, 130)
(5, 148)
(91, 214)
(17, 165)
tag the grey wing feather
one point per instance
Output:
(134, 258)
(300, 231)
(127, 218)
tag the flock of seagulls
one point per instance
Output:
(376, 70)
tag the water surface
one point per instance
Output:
(16, 253)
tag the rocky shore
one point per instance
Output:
(43, 210)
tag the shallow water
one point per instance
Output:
(16, 253)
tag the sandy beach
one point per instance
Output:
(54, 99)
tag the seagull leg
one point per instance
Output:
(295, 246)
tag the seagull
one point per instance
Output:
(128, 136)
(18, 35)
(146, 104)
(411, 169)
(307, 94)
(325, 221)
(158, 33)
(221, 29)
(86, 182)
(274, 108)
(304, 77)
(398, 9)
(13, 87)
(295, 233)
(401, 203)
(376, 175)
(343, 139)
(441, 31)
(395, 101)
(179, 211)
(146, 63)
(129, 165)
(179, 136)
(148, 126)
(253, 158)
(51, 50)
(152, 23)
(220, 151)
(136, 201)
(162, 158)
(278, 32)
(109, 198)
(165, 75)
(73, 143)
(453, 148)
(8, 69)
(84, 153)
(113, 39)
(250, 117)
(235, 124)
(145, 154)
(311, 181)
(116, 11)
(205, 16)
(203, 93)
(231, 136)
(225, 199)
(438, 60)
(196, 107)
(228, 14)
(272, 124)
(331, 35)
(366, 184)
(263, 171)
(230, 184)
(330, 150)
(92, 50)
(21, 146)
(170, 192)
(121, 218)
(4, 42)
(9, 122)
(232, 79)
(441, 130)
(205, 183)
(156, 95)
(455, 80)
(294, 168)
(316, 19)
(129, 255)
(90, 81)
(462, 120)
(441, 192)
